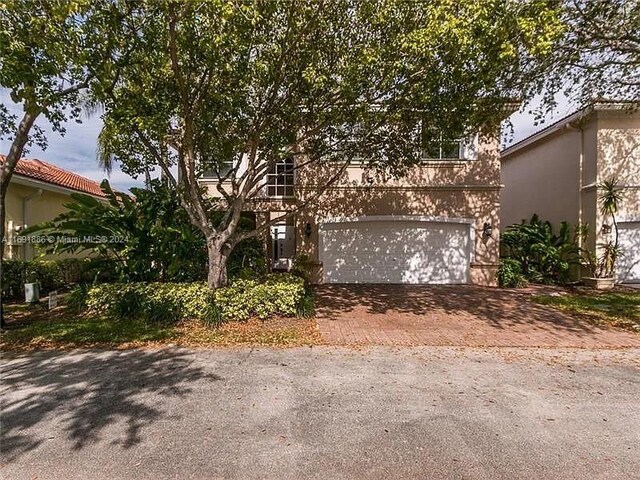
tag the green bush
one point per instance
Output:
(303, 267)
(510, 274)
(13, 275)
(543, 256)
(165, 302)
(247, 259)
(76, 301)
(279, 294)
(49, 274)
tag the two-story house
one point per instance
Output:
(555, 174)
(438, 224)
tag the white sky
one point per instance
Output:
(76, 151)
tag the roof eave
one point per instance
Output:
(25, 180)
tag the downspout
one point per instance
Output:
(577, 127)
(27, 246)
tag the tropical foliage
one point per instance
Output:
(601, 263)
(543, 256)
(147, 236)
(510, 274)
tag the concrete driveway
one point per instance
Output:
(326, 413)
(453, 315)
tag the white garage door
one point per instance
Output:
(628, 265)
(395, 251)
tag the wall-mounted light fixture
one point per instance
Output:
(487, 230)
(606, 229)
(307, 229)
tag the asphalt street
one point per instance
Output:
(330, 413)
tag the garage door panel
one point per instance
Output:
(395, 252)
(628, 264)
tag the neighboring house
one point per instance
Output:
(555, 172)
(438, 224)
(37, 193)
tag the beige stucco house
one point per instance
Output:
(555, 173)
(37, 193)
(438, 224)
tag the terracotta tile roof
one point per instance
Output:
(49, 173)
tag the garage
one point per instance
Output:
(400, 250)
(628, 264)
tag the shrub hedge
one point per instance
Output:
(50, 274)
(165, 302)
(277, 294)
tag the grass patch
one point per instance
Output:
(84, 332)
(34, 327)
(619, 309)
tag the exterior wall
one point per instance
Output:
(456, 189)
(465, 189)
(618, 156)
(543, 179)
(588, 212)
(39, 205)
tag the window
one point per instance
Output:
(280, 179)
(441, 148)
(216, 169)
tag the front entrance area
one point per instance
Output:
(283, 244)
(397, 250)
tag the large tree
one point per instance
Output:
(596, 58)
(46, 48)
(234, 87)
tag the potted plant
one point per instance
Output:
(601, 264)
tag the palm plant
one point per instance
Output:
(610, 197)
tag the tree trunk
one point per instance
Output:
(217, 276)
(6, 172)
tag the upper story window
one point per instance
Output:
(441, 148)
(216, 169)
(280, 179)
(430, 145)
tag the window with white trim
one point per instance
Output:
(441, 147)
(280, 179)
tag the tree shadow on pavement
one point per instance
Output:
(88, 392)
(498, 308)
